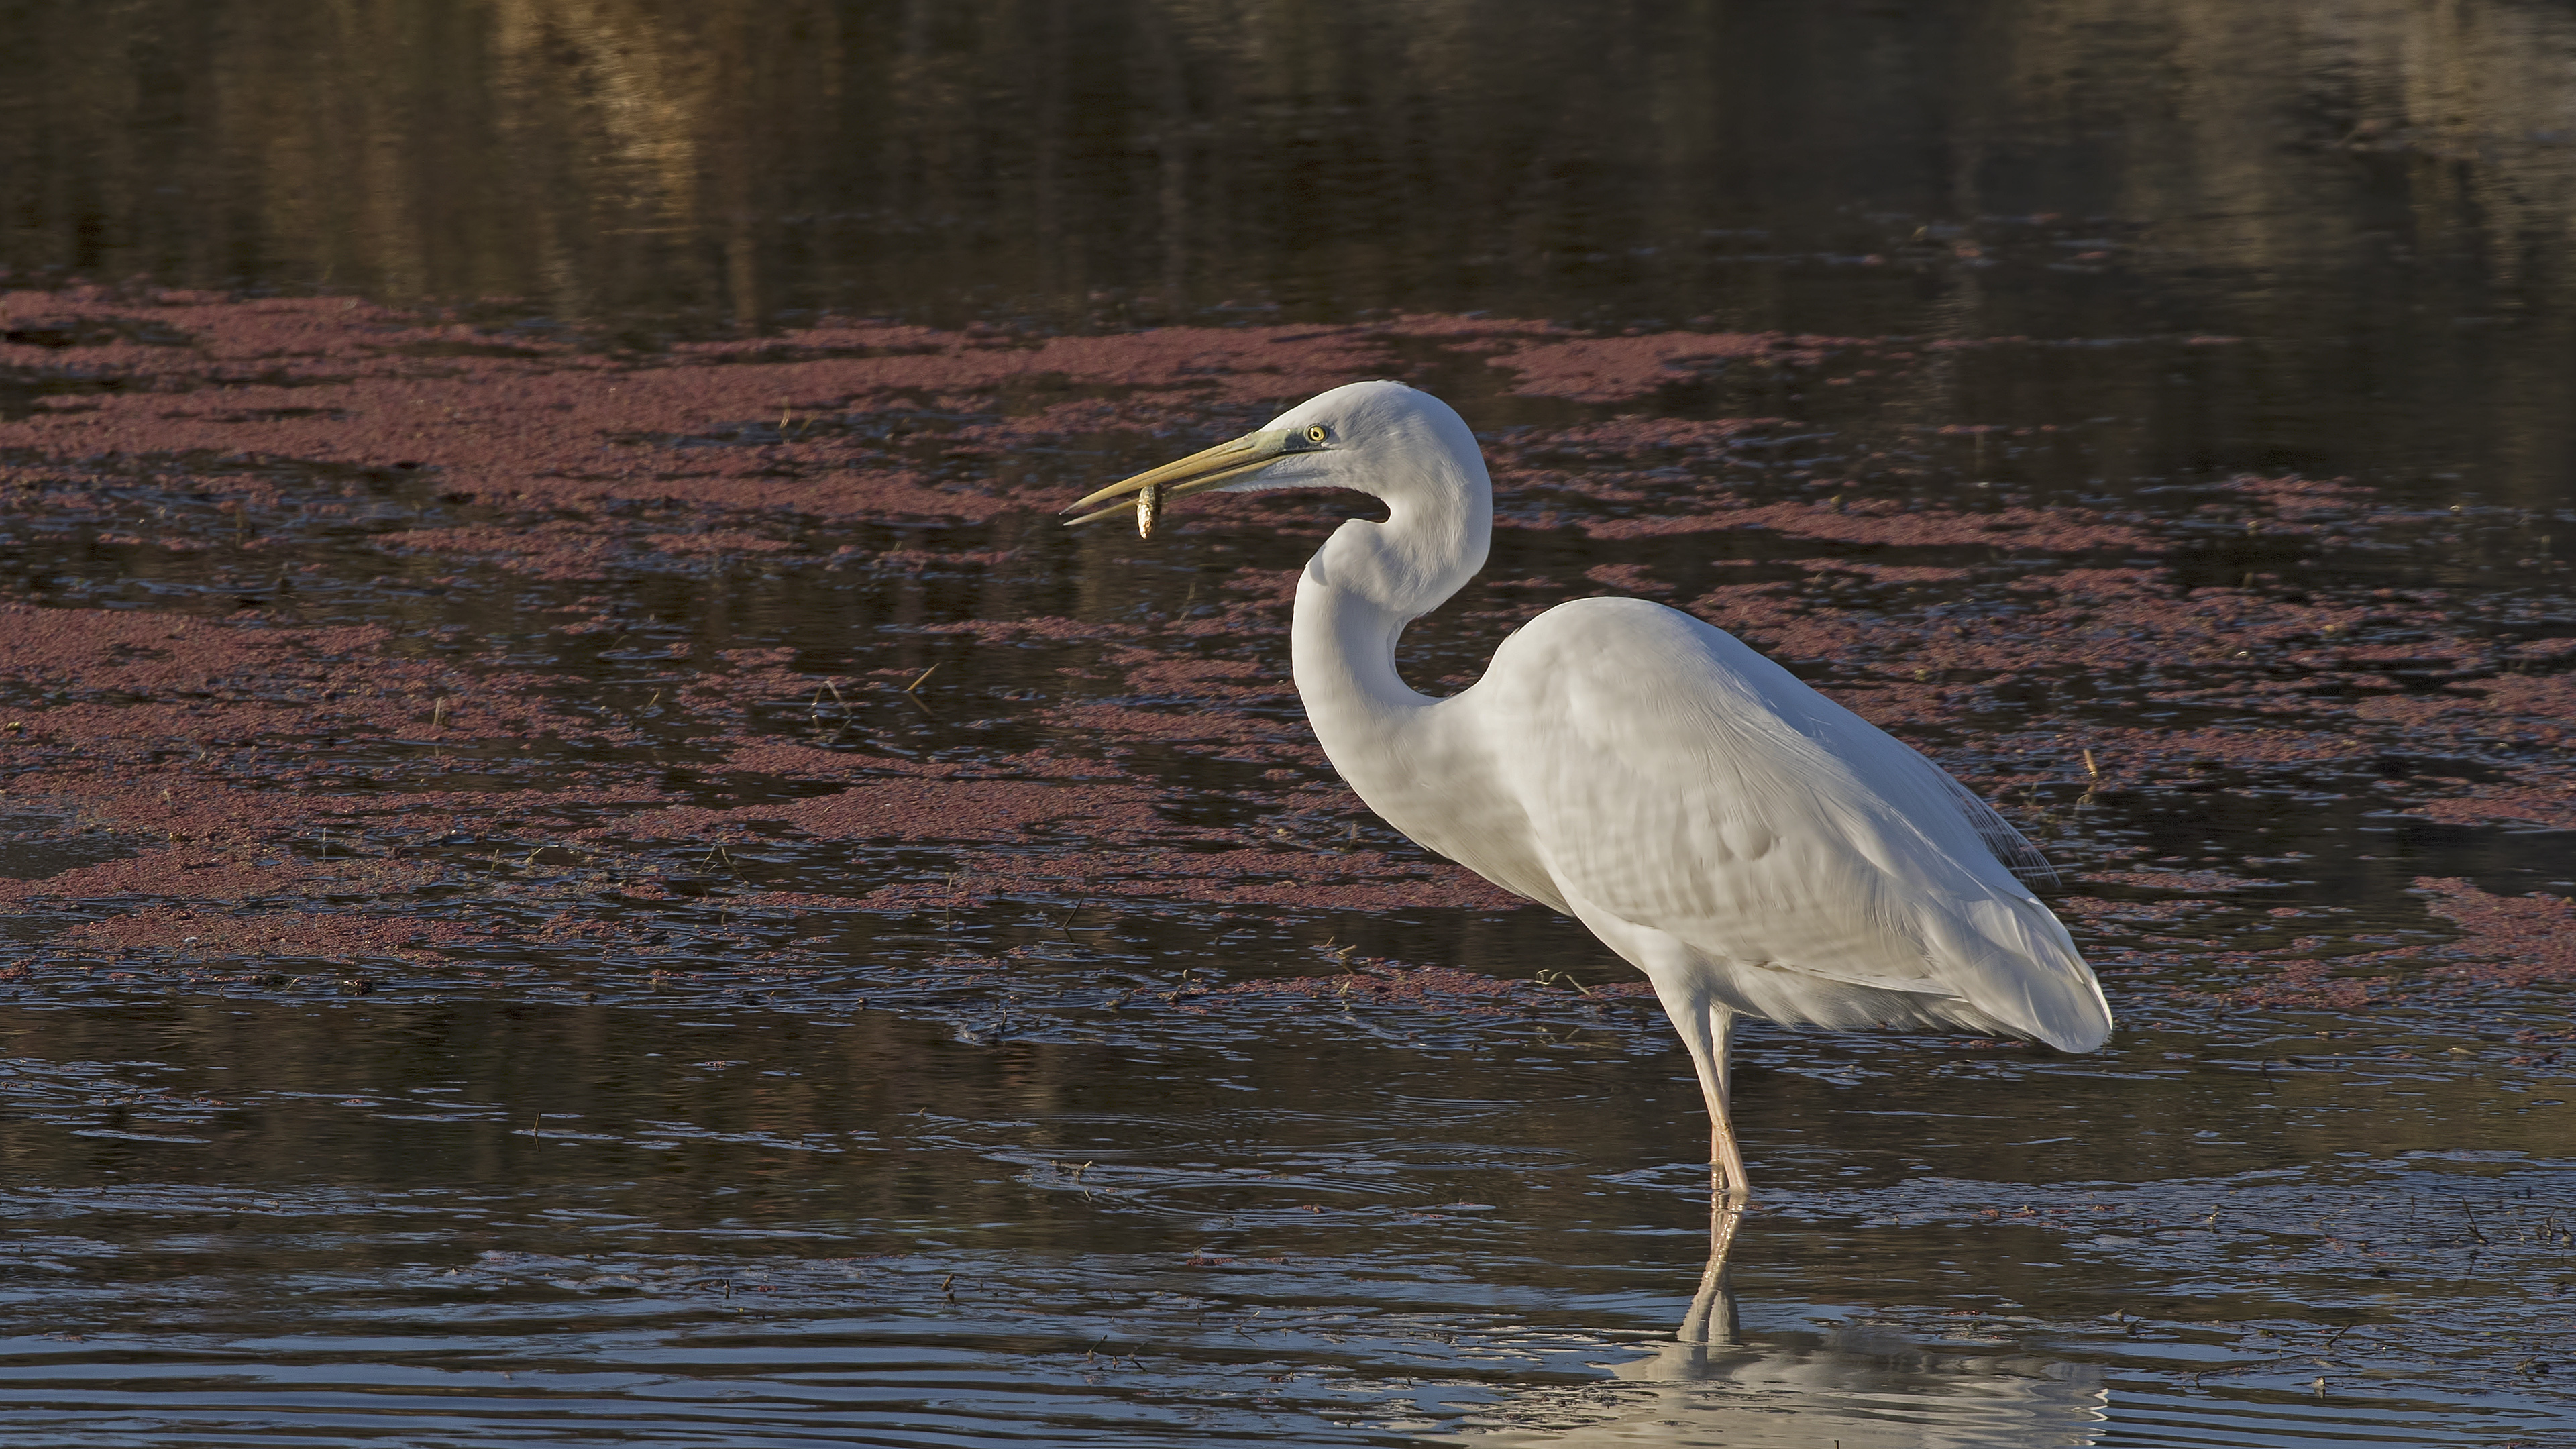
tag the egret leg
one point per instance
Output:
(1707, 1028)
(1727, 1178)
(1678, 975)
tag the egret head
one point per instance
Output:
(1387, 440)
(1381, 438)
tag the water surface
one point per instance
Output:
(507, 945)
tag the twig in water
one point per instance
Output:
(1066, 925)
(2473, 1224)
(1550, 977)
(2091, 769)
(925, 674)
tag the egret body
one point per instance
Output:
(1750, 845)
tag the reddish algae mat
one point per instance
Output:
(346, 648)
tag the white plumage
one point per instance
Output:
(1747, 843)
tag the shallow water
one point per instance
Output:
(508, 945)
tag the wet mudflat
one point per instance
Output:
(573, 878)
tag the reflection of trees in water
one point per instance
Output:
(2390, 174)
(649, 148)
(610, 153)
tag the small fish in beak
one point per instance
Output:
(1215, 467)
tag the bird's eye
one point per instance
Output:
(1315, 434)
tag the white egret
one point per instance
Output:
(1750, 845)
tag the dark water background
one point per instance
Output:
(839, 1211)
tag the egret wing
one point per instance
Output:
(1681, 781)
(2001, 840)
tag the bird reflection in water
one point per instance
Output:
(1714, 1384)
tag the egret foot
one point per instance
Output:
(1727, 1183)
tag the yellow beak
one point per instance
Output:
(1196, 473)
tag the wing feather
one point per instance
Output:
(1678, 779)
(2005, 843)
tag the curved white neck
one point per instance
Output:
(1362, 587)
(1342, 650)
